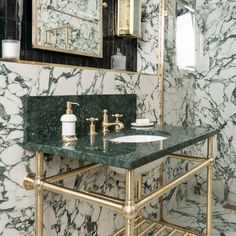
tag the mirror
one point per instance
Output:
(88, 28)
(185, 35)
(73, 26)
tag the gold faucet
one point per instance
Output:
(105, 124)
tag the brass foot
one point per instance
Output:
(27, 184)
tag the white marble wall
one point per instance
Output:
(215, 87)
(17, 204)
(65, 216)
(209, 100)
(147, 49)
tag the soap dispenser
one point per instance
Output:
(68, 124)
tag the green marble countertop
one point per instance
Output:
(124, 155)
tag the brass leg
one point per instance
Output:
(39, 194)
(209, 186)
(139, 188)
(139, 195)
(129, 210)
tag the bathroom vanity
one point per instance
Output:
(132, 156)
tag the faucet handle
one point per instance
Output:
(117, 116)
(105, 115)
(92, 129)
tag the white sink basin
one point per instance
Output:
(137, 139)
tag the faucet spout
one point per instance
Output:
(106, 124)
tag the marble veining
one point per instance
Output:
(210, 102)
(70, 25)
(17, 204)
(147, 47)
(199, 97)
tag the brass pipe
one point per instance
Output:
(129, 210)
(209, 186)
(140, 224)
(139, 194)
(160, 231)
(71, 173)
(161, 180)
(139, 188)
(135, 227)
(161, 45)
(90, 198)
(106, 201)
(187, 157)
(39, 194)
(181, 229)
(171, 185)
(109, 198)
(173, 232)
(147, 229)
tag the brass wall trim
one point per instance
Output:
(161, 45)
(46, 64)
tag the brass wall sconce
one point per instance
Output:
(128, 18)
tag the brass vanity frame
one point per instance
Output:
(129, 207)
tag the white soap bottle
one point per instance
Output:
(68, 124)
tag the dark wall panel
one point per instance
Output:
(13, 26)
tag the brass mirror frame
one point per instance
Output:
(35, 35)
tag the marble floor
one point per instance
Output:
(191, 213)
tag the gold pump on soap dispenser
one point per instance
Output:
(68, 124)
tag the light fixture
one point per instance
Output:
(128, 18)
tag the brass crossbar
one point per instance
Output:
(187, 157)
(86, 196)
(71, 173)
(162, 190)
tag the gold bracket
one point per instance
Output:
(27, 184)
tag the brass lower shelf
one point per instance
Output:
(157, 228)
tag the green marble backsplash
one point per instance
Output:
(42, 114)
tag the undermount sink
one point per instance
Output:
(137, 139)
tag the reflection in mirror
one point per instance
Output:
(185, 34)
(87, 28)
(68, 26)
(128, 18)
